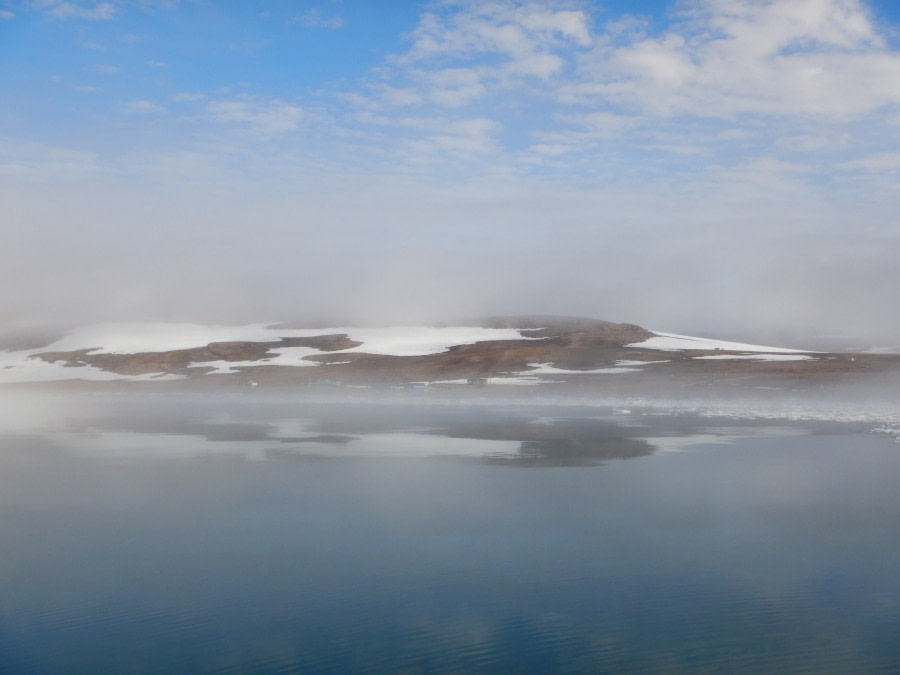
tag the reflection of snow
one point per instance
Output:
(723, 436)
(135, 445)
(890, 430)
(414, 445)
(674, 342)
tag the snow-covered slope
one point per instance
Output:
(674, 342)
(139, 338)
(134, 338)
(569, 349)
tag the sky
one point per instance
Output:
(729, 167)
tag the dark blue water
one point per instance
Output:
(584, 547)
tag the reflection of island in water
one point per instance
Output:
(208, 533)
(529, 436)
(525, 436)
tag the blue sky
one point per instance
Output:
(725, 165)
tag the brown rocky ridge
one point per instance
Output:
(572, 345)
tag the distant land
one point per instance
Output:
(546, 352)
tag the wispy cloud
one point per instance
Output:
(564, 84)
(882, 161)
(722, 59)
(314, 18)
(26, 158)
(188, 96)
(261, 116)
(6, 14)
(71, 10)
(143, 107)
(464, 49)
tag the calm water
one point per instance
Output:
(249, 536)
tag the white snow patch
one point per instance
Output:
(758, 357)
(422, 340)
(135, 338)
(548, 369)
(524, 380)
(626, 362)
(675, 342)
(284, 356)
(16, 367)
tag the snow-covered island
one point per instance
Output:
(538, 351)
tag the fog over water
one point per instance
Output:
(695, 167)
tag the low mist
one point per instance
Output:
(735, 265)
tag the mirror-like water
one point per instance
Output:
(230, 537)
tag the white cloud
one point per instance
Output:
(6, 14)
(188, 96)
(143, 106)
(719, 58)
(454, 87)
(261, 116)
(882, 161)
(25, 158)
(71, 10)
(514, 29)
(313, 18)
(724, 81)
(552, 149)
(157, 64)
(106, 68)
(422, 140)
(821, 58)
(584, 133)
(451, 59)
(601, 124)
